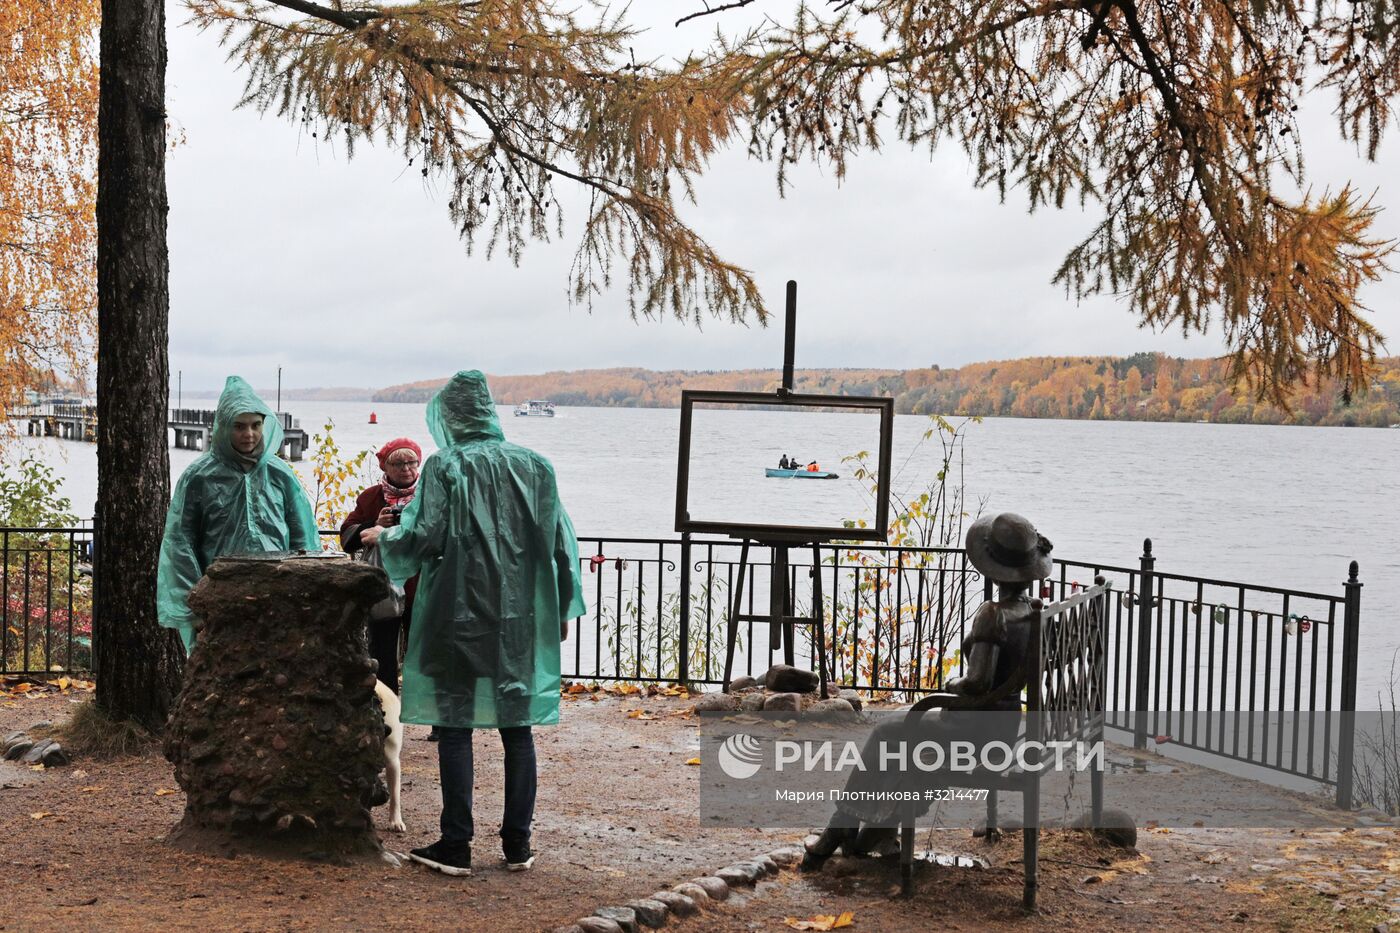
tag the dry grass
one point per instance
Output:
(91, 733)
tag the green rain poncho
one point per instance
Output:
(224, 506)
(499, 564)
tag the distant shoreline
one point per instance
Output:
(1141, 387)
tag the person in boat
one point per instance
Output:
(785, 463)
(982, 706)
(813, 468)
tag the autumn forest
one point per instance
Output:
(1141, 387)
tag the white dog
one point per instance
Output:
(393, 743)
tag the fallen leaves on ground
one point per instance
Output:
(40, 815)
(693, 761)
(164, 792)
(32, 688)
(574, 689)
(822, 922)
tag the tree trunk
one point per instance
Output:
(137, 663)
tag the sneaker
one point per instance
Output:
(448, 859)
(518, 856)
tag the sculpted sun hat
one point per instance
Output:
(398, 443)
(1007, 548)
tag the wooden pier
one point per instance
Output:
(72, 422)
(192, 426)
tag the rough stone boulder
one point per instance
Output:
(784, 678)
(276, 737)
(716, 703)
(836, 692)
(676, 902)
(837, 710)
(782, 702)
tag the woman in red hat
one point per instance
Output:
(377, 508)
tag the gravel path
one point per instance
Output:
(616, 821)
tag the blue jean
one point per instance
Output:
(456, 772)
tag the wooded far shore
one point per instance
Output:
(1141, 387)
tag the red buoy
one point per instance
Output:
(373, 419)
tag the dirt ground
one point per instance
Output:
(617, 819)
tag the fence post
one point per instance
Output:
(683, 649)
(1146, 590)
(95, 559)
(1351, 644)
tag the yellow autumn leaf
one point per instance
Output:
(63, 683)
(164, 792)
(822, 922)
(40, 815)
(693, 761)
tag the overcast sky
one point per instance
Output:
(348, 272)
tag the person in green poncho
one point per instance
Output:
(238, 497)
(499, 581)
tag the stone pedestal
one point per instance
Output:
(276, 737)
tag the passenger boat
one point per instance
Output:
(804, 473)
(535, 408)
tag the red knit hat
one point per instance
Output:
(397, 443)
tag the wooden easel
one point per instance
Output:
(779, 618)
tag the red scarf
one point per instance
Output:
(394, 495)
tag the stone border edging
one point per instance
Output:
(687, 898)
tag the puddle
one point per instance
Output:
(951, 860)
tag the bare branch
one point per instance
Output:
(710, 11)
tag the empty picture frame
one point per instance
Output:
(739, 511)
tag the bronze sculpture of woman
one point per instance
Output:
(983, 705)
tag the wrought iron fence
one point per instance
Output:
(1188, 659)
(1191, 658)
(45, 600)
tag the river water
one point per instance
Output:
(1265, 505)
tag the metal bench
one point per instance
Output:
(1064, 701)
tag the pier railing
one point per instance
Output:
(205, 416)
(1257, 674)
